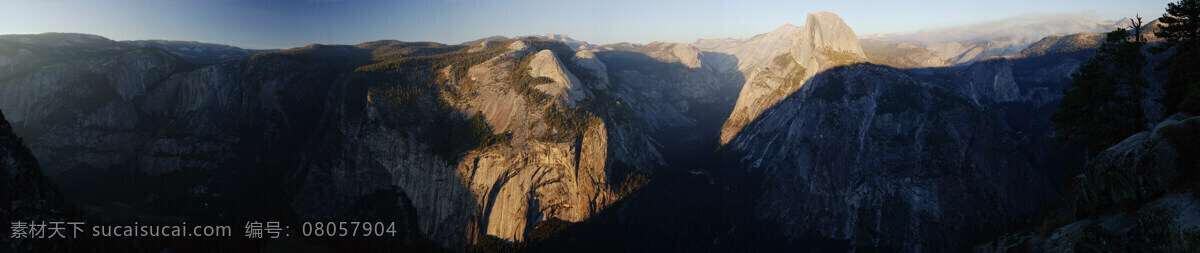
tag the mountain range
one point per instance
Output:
(804, 138)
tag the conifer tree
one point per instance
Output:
(1104, 105)
(1180, 27)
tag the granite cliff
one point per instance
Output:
(885, 161)
(1138, 195)
(824, 41)
(490, 143)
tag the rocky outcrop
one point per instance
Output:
(825, 30)
(522, 187)
(884, 161)
(1136, 195)
(535, 178)
(588, 61)
(564, 86)
(824, 42)
(764, 88)
(504, 189)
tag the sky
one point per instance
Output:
(265, 24)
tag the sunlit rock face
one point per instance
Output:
(824, 41)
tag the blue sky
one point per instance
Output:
(291, 23)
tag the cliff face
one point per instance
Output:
(90, 99)
(564, 85)
(825, 41)
(992, 82)
(1137, 195)
(824, 32)
(878, 158)
(668, 85)
(27, 195)
(324, 126)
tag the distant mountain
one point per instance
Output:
(970, 43)
(483, 40)
(755, 51)
(901, 55)
(54, 46)
(1019, 30)
(1062, 44)
(574, 44)
(197, 52)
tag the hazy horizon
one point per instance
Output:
(285, 24)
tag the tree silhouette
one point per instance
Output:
(1104, 106)
(1180, 26)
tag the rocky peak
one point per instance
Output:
(687, 54)
(827, 30)
(518, 46)
(587, 59)
(566, 86)
(787, 29)
(825, 41)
